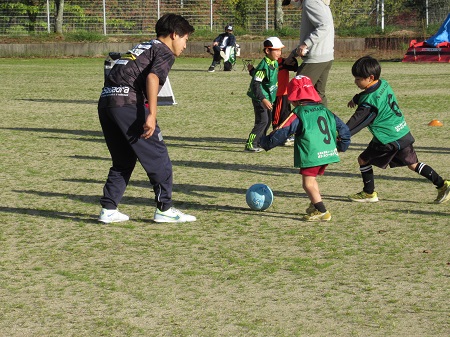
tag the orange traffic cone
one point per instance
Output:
(435, 122)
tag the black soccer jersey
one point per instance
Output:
(126, 83)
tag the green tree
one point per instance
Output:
(31, 8)
(242, 9)
(351, 13)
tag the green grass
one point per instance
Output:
(374, 270)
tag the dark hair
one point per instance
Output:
(173, 23)
(366, 66)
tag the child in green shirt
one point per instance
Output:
(319, 135)
(392, 142)
(262, 90)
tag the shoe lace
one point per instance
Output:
(175, 210)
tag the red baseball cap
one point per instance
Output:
(300, 88)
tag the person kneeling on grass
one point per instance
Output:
(392, 142)
(319, 135)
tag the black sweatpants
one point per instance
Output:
(263, 120)
(122, 128)
(217, 58)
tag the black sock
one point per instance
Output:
(367, 176)
(320, 207)
(426, 171)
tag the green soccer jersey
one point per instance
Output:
(315, 143)
(390, 124)
(267, 73)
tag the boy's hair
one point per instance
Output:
(366, 66)
(172, 23)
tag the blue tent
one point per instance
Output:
(442, 35)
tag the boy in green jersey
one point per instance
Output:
(319, 135)
(263, 90)
(378, 110)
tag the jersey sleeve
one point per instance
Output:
(363, 116)
(343, 135)
(162, 62)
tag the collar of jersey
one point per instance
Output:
(270, 62)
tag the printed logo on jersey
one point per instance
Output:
(273, 88)
(400, 126)
(115, 91)
(325, 154)
(141, 47)
(122, 62)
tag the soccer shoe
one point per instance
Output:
(252, 149)
(318, 216)
(289, 142)
(443, 193)
(112, 215)
(172, 215)
(211, 69)
(364, 197)
(310, 208)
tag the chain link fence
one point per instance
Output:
(130, 17)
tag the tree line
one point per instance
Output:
(345, 11)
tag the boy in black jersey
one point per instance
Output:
(131, 131)
(392, 142)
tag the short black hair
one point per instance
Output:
(366, 66)
(173, 23)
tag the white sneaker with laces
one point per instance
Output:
(172, 215)
(112, 215)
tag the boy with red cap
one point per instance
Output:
(316, 143)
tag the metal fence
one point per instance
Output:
(129, 17)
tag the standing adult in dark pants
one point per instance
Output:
(219, 45)
(316, 47)
(131, 131)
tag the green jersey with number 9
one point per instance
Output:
(315, 143)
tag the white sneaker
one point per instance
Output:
(112, 215)
(172, 215)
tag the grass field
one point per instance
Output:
(374, 270)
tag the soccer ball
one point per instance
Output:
(259, 197)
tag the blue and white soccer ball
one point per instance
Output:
(259, 197)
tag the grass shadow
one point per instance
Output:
(65, 101)
(274, 170)
(189, 142)
(51, 214)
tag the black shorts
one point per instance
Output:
(382, 155)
